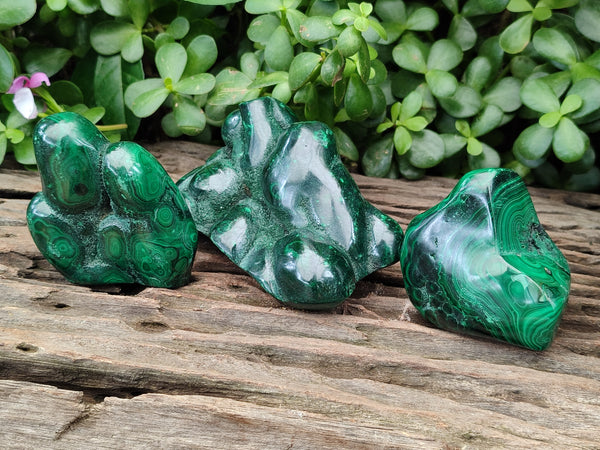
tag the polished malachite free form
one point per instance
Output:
(278, 201)
(108, 213)
(480, 262)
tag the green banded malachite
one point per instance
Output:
(480, 262)
(108, 213)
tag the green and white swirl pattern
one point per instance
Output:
(480, 262)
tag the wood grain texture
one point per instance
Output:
(220, 364)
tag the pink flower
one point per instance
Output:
(23, 98)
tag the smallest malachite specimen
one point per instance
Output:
(108, 213)
(480, 262)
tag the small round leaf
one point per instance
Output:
(343, 17)
(199, 84)
(588, 90)
(462, 32)
(465, 102)
(422, 19)
(262, 6)
(553, 45)
(516, 36)
(333, 68)
(537, 95)
(402, 140)
(441, 83)
(478, 73)
(444, 55)
(262, 27)
(108, 38)
(189, 117)
(169, 126)
(231, 88)
(427, 149)
(517, 6)
(391, 11)
(533, 143)
(7, 69)
(489, 119)
(361, 24)
(13, 13)
(587, 18)
(572, 102)
(345, 146)
(201, 55)
(493, 6)
(474, 147)
(179, 27)
(357, 101)
(409, 57)
(24, 152)
(569, 143)
(349, 41)
(411, 105)
(453, 143)
(148, 102)
(133, 49)
(463, 127)
(115, 8)
(279, 51)
(316, 29)
(541, 13)
(282, 92)
(377, 159)
(302, 68)
(505, 94)
(487, 158)
(56, 5)
(170, 61)
(416, 123)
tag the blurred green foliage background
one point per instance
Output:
(409, 88)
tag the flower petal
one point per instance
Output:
(25, 103)
(18, 83)
(37, 79)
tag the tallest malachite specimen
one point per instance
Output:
(480, 262)
(108, 213)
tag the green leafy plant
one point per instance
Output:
(144, 97)
(409, 89)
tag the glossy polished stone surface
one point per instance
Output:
(108, 213)
(480, 262)
(278, 201)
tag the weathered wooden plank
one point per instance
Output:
(220, 364)
(34, 415)
(193, 421)
(349, 369)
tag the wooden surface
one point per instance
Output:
(220, 364)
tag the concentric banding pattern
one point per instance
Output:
(108, 213)
(480, 262)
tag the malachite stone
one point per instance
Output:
(108, 213)
(278, 201)
(480, 262)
